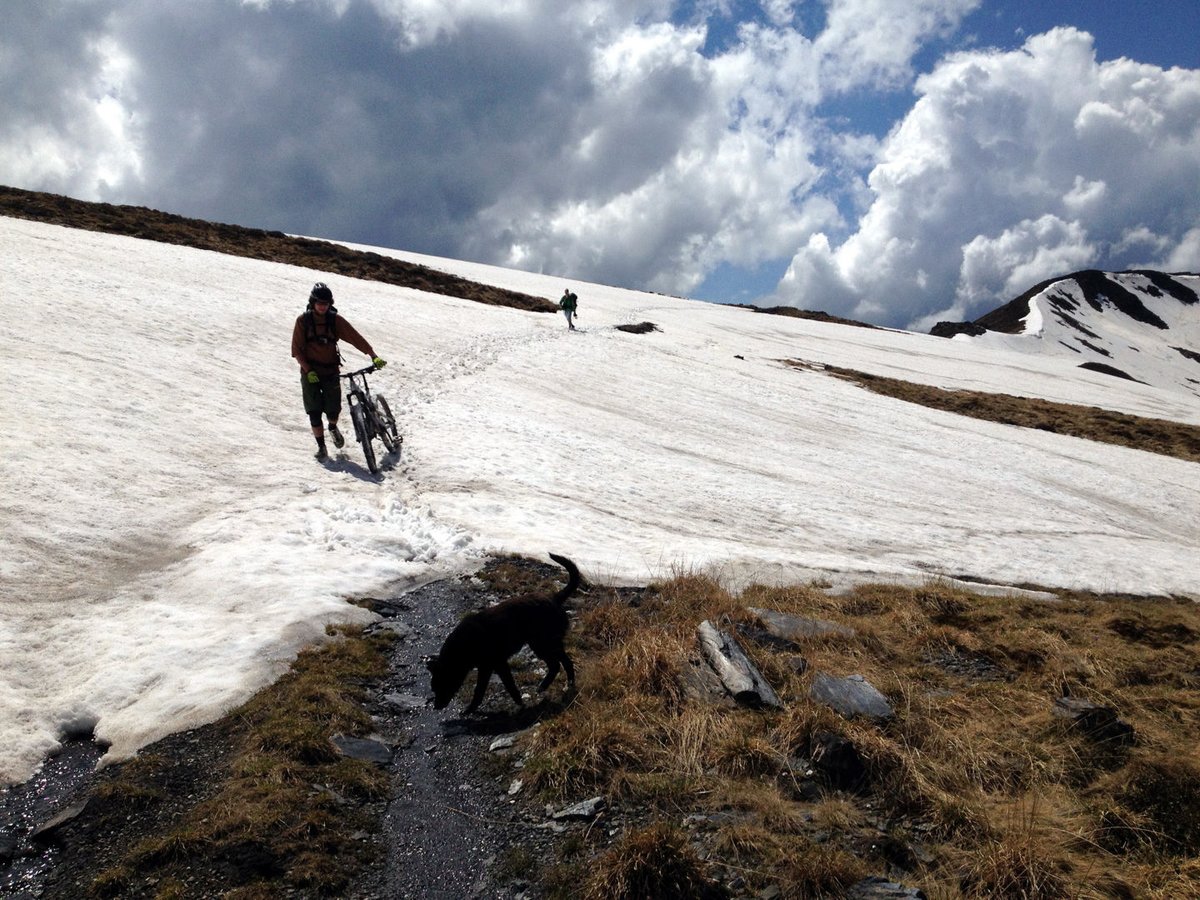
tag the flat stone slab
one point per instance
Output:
(584, 811)
(363, 749)
(798, 628)
(851, 696)
(876, 888)
(47, 830)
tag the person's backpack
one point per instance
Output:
(310, 327)
(330, 335)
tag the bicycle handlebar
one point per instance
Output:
(370, 368)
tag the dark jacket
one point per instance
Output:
(315, 351)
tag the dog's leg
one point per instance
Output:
(481, 684)
(570, 667)
(552, 667)
(505, 674)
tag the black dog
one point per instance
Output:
(485, 640)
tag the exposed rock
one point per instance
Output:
(877, 888)
(640, 328)
(49, 829)
(363, 749)
(1100, 723)
(851, 696)
(1109, 370)
(583, 811)
(400, 629)
(740, 677)
(765, 638)
(950, 329)
(797, 628)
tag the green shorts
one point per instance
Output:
(325, 396)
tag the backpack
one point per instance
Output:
(310, 327)
(330, 335)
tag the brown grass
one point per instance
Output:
(974, 788)
(653, 862)
(1154, 435)
(266, 820)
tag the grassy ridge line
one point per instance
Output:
(254, 243)
(1160, 436)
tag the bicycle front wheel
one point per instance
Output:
(387, 425)
(362, 428)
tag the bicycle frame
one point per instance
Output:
(369, 422)
(358, 382)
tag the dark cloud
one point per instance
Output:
(607, 141)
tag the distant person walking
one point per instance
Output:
(568, 305)
(314, 346)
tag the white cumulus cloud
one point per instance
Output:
(1013, 167)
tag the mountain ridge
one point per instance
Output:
(1139, 324)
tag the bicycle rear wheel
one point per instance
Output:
(362, 429)
(387, 425)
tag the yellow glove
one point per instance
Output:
(312, 377)
(379, 363)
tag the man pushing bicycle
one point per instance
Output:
(314, 346)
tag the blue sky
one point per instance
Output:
(898, 161)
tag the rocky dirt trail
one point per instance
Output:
(450, 824)
(449, 828)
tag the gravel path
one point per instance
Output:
(448, 828)
(450, 821)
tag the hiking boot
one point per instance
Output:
(321, 453)
(338, 440)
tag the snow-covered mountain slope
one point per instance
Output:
(167, 541)
(1143, 326)
(991, 365)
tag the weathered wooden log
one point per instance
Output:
(739, 676)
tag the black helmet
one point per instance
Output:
(320, 293)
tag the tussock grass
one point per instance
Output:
(277, 813)
(973, 789)
(1160, 436)
(650, 862)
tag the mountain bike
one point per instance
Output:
(372, 417)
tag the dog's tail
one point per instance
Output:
(572, 578)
